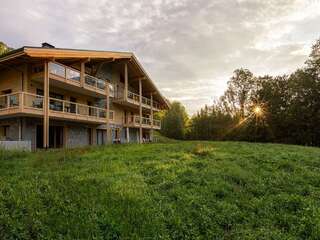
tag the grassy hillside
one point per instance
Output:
(181, 190)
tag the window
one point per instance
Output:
(52, 94)
(38, 69)
(100, 136)
(73, 107)
(8, 91)
(40, 92)
(55, 104)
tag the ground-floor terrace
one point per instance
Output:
(68, 134)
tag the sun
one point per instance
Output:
(258, 111)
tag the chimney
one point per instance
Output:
(47, 45)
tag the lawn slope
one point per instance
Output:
(181, 190)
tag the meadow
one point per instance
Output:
(177, 190)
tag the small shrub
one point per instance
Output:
(202, 151)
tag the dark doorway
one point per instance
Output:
(90, 136)
(39, 136)
(55, 136)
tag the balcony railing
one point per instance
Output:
(9, 101)
(135, 99)
(95, 82)
(135, 121)
(74, 75)
(31, 101)
(64, 71)
(76, 108)
(157, 123)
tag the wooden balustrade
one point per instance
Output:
(74, 75)
(134, 121)
(29, 101)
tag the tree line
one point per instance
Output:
(281, 109)
(4, 48)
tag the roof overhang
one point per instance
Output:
(29, 53)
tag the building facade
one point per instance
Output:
(56, 98)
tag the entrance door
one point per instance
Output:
(100, 139)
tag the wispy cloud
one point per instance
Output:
(190, 48)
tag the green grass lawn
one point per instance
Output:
(180, 190)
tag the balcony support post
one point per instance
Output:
(20, 129)
(125, 82)
(128, 135)
(82, 73)
(25, 79)
(151, 117)
(94, 136)
(140, 110)
(8, 101)
(21, 101)
(109, 136)
(46, 106)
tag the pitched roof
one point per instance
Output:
(66, 53)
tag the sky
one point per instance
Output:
(190, 48)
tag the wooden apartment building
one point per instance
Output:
(57, 97)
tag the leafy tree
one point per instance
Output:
(174, 121)
(313, 62)
(290, 107)
(210, 123)
(239, 89)
(4, 48)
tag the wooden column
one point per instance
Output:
(94, 136)
(140, 108)
(82, 73)
(151, 117)
(46, 106)
(20, 129)
(25, 78)
(125, 82)
(21, 101)
(128, 135)
(108, 113)
(24, 86)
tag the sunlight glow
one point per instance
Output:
(258, 111)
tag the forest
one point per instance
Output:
(279, 109)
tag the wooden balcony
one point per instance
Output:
(134, 121)
(70, 79)
(28, 104)
(133, 100)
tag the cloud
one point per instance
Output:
(190, 48)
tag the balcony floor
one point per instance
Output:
(31, 112)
